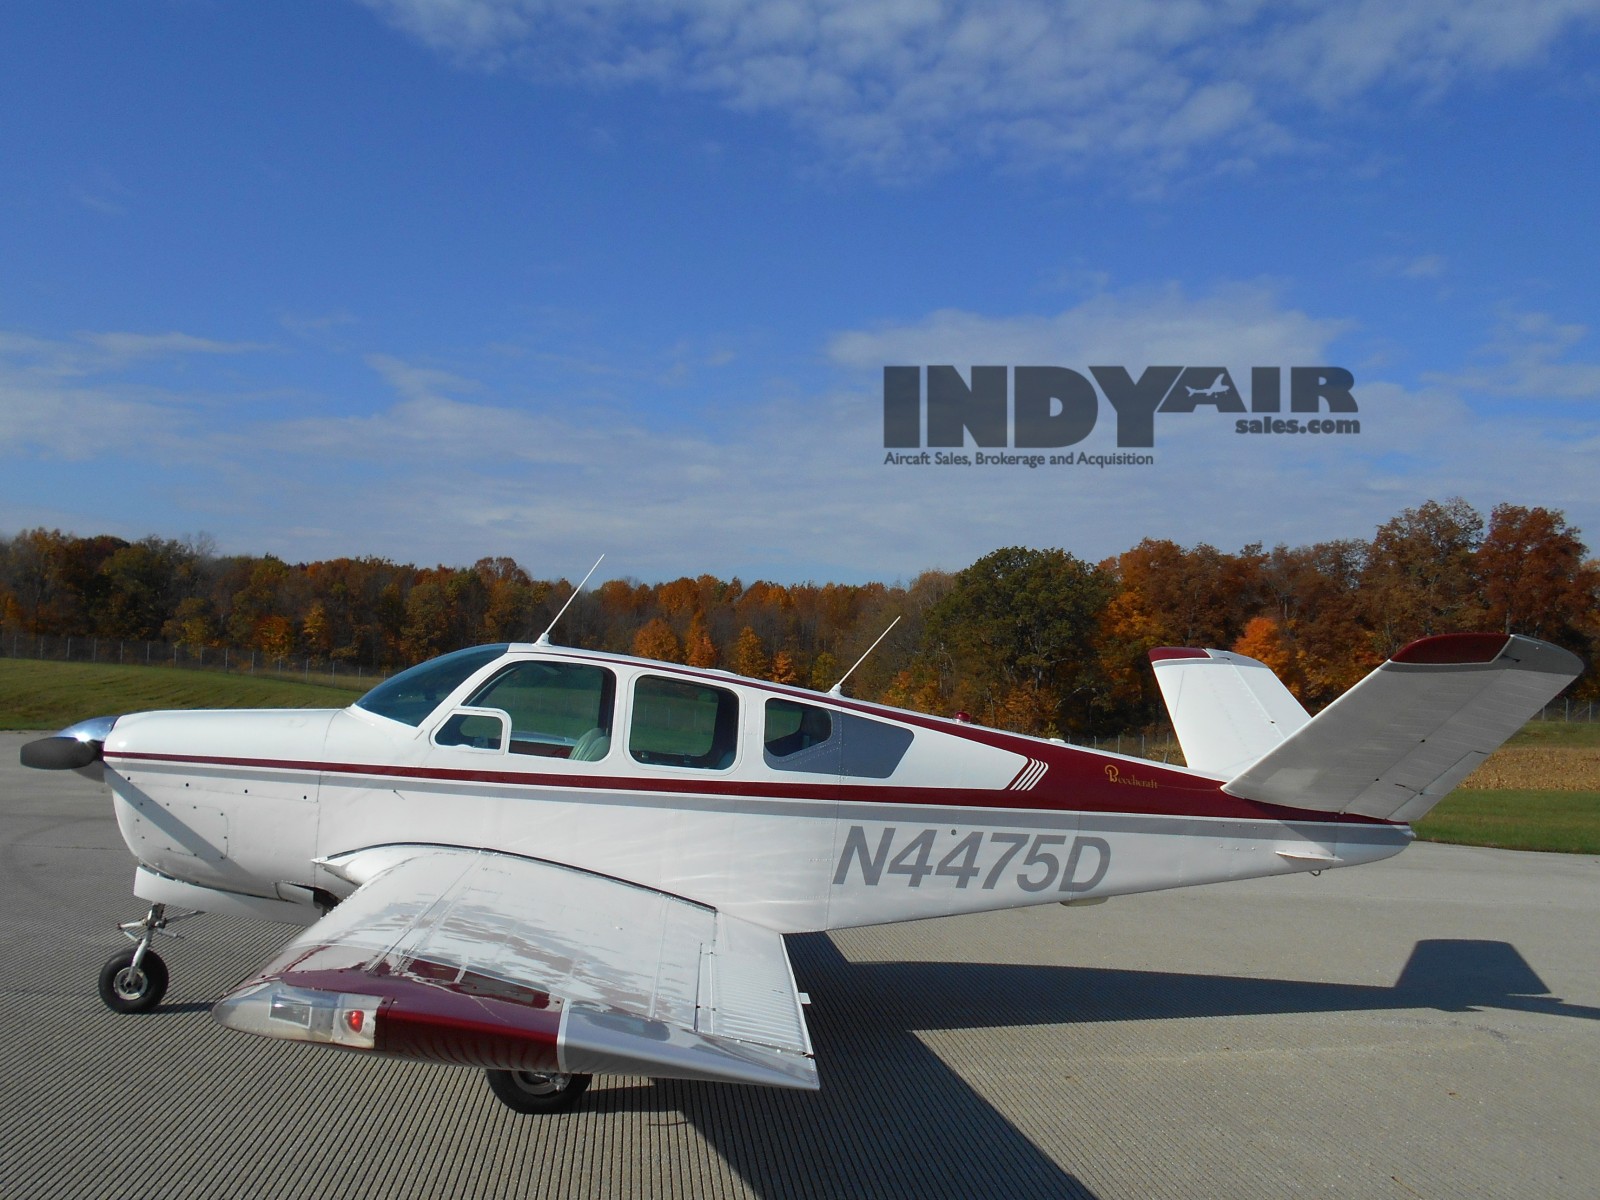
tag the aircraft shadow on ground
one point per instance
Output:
(1446, 975)
(893, 1119)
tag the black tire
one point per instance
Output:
(125, 992)
(537, 1092)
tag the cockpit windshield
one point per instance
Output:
(411, 695)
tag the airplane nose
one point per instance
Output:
(75, 746)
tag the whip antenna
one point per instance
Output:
(544, 638)
(834, 690)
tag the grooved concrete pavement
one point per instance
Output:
(1428, 1026)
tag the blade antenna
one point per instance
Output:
(834, 690)
(544, 638)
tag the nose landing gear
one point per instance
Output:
(133, 981)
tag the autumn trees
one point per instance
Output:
(1032, 639)
(1534, 578)
(1013, 638)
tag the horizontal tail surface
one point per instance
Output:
(1394, 745)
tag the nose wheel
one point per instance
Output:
(130, 983)
(133, 981)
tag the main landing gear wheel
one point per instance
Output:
(129, 987)
(537, 1091)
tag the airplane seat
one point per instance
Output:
(591, 747)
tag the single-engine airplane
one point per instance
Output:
(549, 863)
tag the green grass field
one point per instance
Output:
(51, 695)
(1517, 819)
(1557, 733)
(1564, 819)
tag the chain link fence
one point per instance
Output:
(15, 643)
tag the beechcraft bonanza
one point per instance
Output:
(549, 863)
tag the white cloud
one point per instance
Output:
(67, 399)
(1413, 268)
(904, 85)
(422, 384)
(1238, 323)
(94, 353)
(1344, 49)
(124, 346)
(1530, 356)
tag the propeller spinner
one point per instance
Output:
(74, 747)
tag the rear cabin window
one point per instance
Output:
(557, 710)
(680, 723)
(820, 741)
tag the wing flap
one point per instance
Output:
(486, 959)
(1395, 744)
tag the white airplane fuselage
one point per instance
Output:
(890, 816)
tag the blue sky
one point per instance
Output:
(437, 279)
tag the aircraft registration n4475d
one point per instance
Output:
(548, 863)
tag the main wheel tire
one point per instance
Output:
(125, 990)
(536, 1091)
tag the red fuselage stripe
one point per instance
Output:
(1133, 789)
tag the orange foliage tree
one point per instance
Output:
(658, 641)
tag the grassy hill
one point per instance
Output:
(53, 695)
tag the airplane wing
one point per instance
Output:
(483, 959)
(1395, 744)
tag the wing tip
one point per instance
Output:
(1452, 649)
(1163, 653)
(1480, 649)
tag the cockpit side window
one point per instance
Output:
(557, 709)
(793, 727)
(411, 695)
(818, 741)
(680, 723)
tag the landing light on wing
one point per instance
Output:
(303, 1014)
